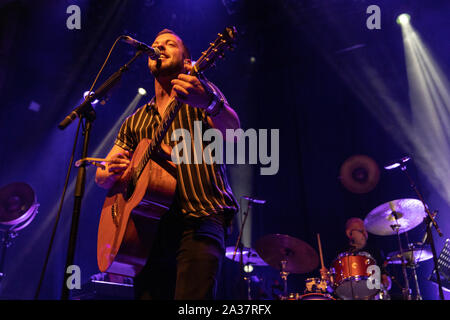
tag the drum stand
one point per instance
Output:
(430, 222)
(416, 281)
(396, 227)
(284, 274)
(247, 278)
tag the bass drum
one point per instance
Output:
(350, 273)
(316, 296)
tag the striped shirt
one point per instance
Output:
(202, 189)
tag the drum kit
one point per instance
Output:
(348, 276)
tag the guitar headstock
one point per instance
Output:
(224, 41)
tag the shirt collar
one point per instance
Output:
(151, 105)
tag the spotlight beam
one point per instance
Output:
(430, 104)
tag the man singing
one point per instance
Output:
(185, 260)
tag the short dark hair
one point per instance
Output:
(185, 48)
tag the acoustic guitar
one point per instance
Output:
(145, 191)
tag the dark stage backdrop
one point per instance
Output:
(290, 71)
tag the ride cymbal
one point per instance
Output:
(406, 213)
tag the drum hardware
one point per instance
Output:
(350, 275)
(286, 254)
(316, 285)
(309, 296)
(429, 219)
(383, 294)
(416, 282)
(18, 208)
(316, 296)
(323, 284)
(406, 291)
(251, 256)
(416, 253)
(284, 274)
(394, 218)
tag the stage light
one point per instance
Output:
(403, 19)
(142, 91)
(248, 268)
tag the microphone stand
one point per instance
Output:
(85, 112)
(430, 221)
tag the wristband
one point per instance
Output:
(215, 107)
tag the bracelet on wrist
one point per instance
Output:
(215, 107)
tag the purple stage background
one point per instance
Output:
(311, 69)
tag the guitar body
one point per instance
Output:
(131, 213)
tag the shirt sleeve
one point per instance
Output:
(125, 138)
(213, 89)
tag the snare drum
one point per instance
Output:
(350, 276)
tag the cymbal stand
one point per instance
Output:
(239, 245)
(414, 267)
(396, 227)
(430, 222)
(284, 274)
(248, 279)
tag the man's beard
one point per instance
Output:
(169, 70)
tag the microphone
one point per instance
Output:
(396, 163)
(153, 53)
(254, 200)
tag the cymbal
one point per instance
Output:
(16, 200)
(359, 174)
(300, 256)
(380, 221)
(249, 256)
(417, 251)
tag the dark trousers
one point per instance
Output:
(182, 264)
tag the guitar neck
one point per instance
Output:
(158, 136)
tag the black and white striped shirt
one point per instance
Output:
(202, 189)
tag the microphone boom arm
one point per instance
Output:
(85, 108)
